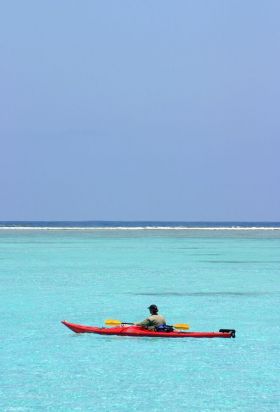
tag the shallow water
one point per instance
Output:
(209, 279)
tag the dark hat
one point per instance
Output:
(153, 308)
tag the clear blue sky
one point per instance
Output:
(140, 110)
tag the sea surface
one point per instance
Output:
(210, 275)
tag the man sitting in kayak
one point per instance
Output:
(153, 321)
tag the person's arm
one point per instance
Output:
(145, 323)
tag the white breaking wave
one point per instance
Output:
(97, 228)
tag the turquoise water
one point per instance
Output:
(209, 279)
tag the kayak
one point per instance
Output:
(138, 331)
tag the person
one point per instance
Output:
(153, 321)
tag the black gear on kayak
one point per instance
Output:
(164, 328)
(232, 331)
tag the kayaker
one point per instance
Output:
(153, 321)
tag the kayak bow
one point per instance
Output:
(141, 332)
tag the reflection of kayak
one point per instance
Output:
(140, 332)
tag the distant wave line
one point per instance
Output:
(131, 228)
(205, 294)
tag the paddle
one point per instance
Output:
(115, 322)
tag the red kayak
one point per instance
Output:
(141, 332)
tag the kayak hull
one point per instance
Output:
(137, 331)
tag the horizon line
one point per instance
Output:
(141, 220)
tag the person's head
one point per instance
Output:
(153, 309)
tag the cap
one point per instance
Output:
(153, 307)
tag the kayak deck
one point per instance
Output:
(141, 332)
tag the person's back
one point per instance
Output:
(153, 321)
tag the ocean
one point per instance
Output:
(210, 275)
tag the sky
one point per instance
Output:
(140, 110)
